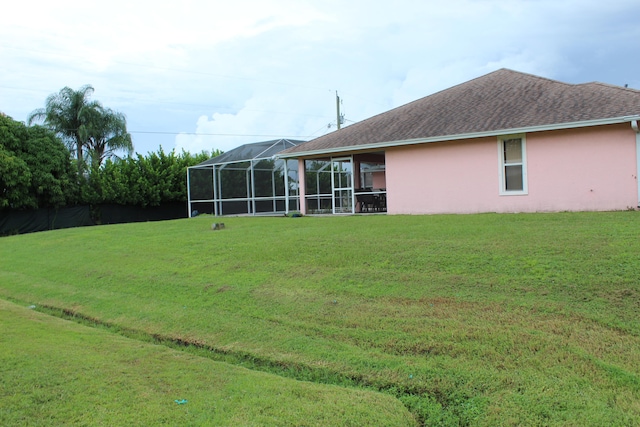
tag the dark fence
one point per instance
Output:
(20, 222)
(118, 214)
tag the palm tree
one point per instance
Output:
(84, 124)
(66, 114)
(106, 133)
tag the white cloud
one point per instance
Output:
(272, 67)
(267, 115)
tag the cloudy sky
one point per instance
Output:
(202, 75)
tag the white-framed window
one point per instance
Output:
(513, 164)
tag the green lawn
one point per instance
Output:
(467, 320)
(55, 372)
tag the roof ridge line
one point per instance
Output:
(611, 86)
(469, 81)
(549, 79)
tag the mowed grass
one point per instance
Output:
(527, 319)
(56, 372)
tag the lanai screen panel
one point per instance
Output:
(200, 190)
(247, 180)
(318, 186)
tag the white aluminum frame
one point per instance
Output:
(250, 198)
(501, 173)
(349, 189)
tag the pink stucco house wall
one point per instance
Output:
(505, 142)
(584, 169)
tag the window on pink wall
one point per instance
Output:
(513, 170)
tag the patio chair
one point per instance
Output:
(366, 201)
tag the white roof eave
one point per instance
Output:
(443, 138)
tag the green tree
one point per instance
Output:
(143, 181)
(66, 113)
(106, 133)
(84, 125)
(14, 181)
(35, 168)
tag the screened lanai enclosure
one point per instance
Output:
(248, 180)
(346, 185)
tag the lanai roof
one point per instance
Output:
(253, 151)
(504, 101)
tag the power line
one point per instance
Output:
(313, 134)
(262, 135)
(195, 72)
(220, 134)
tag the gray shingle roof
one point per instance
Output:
(253, 151)
(500, 100)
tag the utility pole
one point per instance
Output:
(338, 109)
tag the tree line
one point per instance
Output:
(75, 151)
